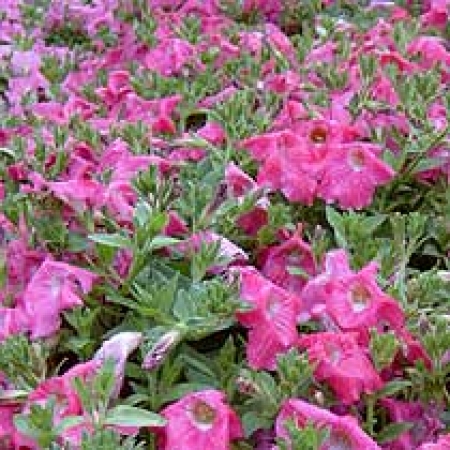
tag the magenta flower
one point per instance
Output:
(293, 253)
(200, 421)
(10, 438)
(272, 321)
(344, 432)
(443, 443)
(61, 387)
(352, 174)
(68, 403)
(437, 14)
(288, 164)
(425, 420)
(351, 301)
(171, 56)
(342, 364)
(239, 184)
(228, 251)
(80, 194)
(431, 49)
(54, 288)
(320, 159)
(356, 303)
(318, 289)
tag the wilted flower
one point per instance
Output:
(118, 348)
(159, 351)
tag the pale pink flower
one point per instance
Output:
(222, 96)
(120, 199)
(318, 289)
(118, 348)
(229, 251)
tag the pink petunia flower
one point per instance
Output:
(344, 431)
(171, 56)
(272, 321)
(443, 443)
(437, 14)
(356, 303)
(431, 49)
(342, 364)
(199, 421)
(425, 420)
(288, 164)
(228, 251)
(61, 387)
(52, 289)
(238, 185)
(80, 194)
(352, 174)
(318, 289)
(293, 253)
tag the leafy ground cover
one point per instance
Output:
(224, 224)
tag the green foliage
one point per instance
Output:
(306, 438)
(264, 392)
(23, 362)
(383, 349)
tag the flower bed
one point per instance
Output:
(224, 224)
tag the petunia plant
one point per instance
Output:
(224, 224)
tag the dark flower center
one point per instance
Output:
(357, 159)
(318, 135)
(203, 413)
(360, 297)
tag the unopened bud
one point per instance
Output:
(159, 351)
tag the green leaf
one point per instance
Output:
(69, 422)
(13, 396)
(392, 388)
(182, 389)
(252, 422)
(23, 426)
(112, 240)
(337, 223)
(162, 241)
(428, 164)
(131, 416)
(393, 431)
